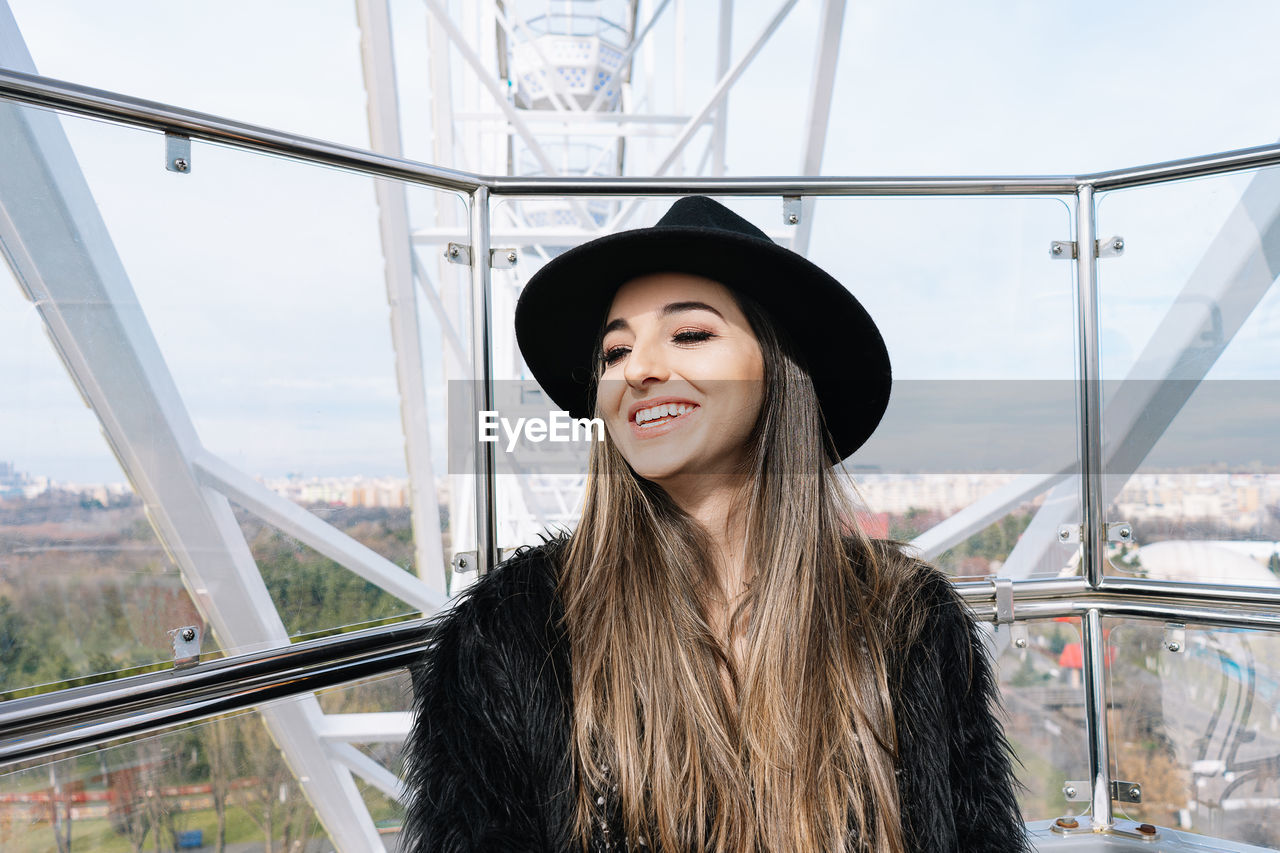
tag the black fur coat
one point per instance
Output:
(487, 762)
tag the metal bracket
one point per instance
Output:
(1122, 792)
(503, 259)
(1004, 612)
(791, 209)
(1081, 825)
(1004, 600)
(177, 153)
(458, 253)
(1112, 247)
(1119, 531)
(186, 646)
(465, 561)
(1175, 636)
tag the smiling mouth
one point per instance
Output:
(664, 413)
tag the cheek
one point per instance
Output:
(608, 396)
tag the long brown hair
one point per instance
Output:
(804, 759)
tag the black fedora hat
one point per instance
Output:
(564, 305)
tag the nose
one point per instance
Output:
(645, 364)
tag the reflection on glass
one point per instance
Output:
(1043, 698)
(1191, 370)
(1199, 729)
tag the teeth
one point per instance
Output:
(662, 410)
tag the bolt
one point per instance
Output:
(1146, 829)
(1070, 791)
(511, 257)
(1021, 642)
(1068, 822)
(181, 165)
(188, 634)
(1135, 792)
(793, 218)
(1173, 646)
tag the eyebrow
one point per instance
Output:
(668, 309)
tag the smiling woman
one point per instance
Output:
(717, 658)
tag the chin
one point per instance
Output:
(657, 473)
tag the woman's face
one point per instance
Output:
(683, 376)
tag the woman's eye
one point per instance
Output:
(612, 355)
(692, 336)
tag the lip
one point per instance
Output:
(655, 431)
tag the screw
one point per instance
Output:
(1068, 822)
(1070, 791)
(1146, 829)
(1126, 532)
(1057, 249)
(453, 251)
(511, 257)
(1173, 646)
(1118, 245)
(793, 218)
(188, 634)
(1135, 792)
(1021, 642)
(1064, 535)
(181, 165)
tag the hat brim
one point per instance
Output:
(563, 306)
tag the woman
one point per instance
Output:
(717, 658)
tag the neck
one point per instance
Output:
(714, 501)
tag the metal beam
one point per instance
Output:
(378, 63)
(292, 519)
(441, 15)
(716, 100)
(830, 30)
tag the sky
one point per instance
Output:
(262, 279)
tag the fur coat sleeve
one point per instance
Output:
(955, 778)
(487, 762)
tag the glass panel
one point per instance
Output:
(1043, 697)
(1191, 369)
(1198, 729)
(229, 328)
(983, 404)
(220, 783)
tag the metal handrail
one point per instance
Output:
(76, 99)
(85, 716)
(153, 115)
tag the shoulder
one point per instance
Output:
(497, 624)
(518, 587)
